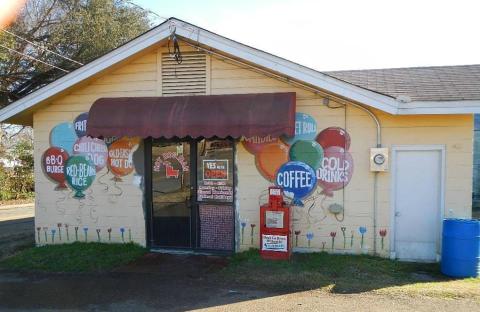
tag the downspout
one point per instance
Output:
(316, 91)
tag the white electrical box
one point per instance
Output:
(379, 159)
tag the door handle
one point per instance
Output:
(397, 214)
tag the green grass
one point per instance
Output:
(76, 257)
(348, 274)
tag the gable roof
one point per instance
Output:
(436, 83)
(21, 110)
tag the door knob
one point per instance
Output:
(397, 214)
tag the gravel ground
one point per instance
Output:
(182, 282)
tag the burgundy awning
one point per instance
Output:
(233, 115)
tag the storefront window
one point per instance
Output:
(215, 171)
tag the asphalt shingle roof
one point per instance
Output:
(439, 83)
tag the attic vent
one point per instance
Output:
(187, 78)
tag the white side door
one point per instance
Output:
(418, 201)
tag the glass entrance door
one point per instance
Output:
(171, 194)
(192, 194)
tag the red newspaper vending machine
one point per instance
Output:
(275, 227)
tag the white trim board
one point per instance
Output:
(262, 59)
(395, 149)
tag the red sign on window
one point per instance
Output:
(214, 170)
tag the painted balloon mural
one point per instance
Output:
(53, 163)
(270, 158)
(74, 159)
(80, 173)
(120, 157)
(63, 136)
(93, 149)
(305, 128)
(325, 153)
(255, 143)
(309, 152)
(297, 179)
(336, 170)
(80, 125)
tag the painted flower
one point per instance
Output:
(297, 232)
(383, 233)
(362, 230)
(309, 236)
(333, 234)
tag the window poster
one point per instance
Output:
(215, 178)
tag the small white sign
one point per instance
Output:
(275, 192)
(274, 242)
(274, 219)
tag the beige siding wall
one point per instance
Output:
(454, 132)
(141, 77)
(107, 204)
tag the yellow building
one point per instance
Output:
(186, 146)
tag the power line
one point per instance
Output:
(31, 57)
(146, 10)
(41, 47)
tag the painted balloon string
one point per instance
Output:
(81, 205)
(263, 197)
(338, 218)
(114, 196)
(310, 217)
(92, 205)
(102, 183)
(62, 199)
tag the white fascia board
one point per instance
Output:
(287, 68)
(440, 107)
(131, 48)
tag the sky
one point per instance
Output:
(342, 34)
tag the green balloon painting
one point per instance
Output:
(309, 152)
(79, 173)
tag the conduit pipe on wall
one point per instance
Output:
(316, 91)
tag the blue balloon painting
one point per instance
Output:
(80, 124)
(63, 136)
(305, 129)
(297, 179)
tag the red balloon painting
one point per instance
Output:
(53, 162)
(334, 136)
(335, 171)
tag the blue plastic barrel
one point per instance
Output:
(461, 248)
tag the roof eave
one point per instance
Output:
(83, 73)
(260, 58)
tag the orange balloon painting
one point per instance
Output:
(270, 158)
(120, 156)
